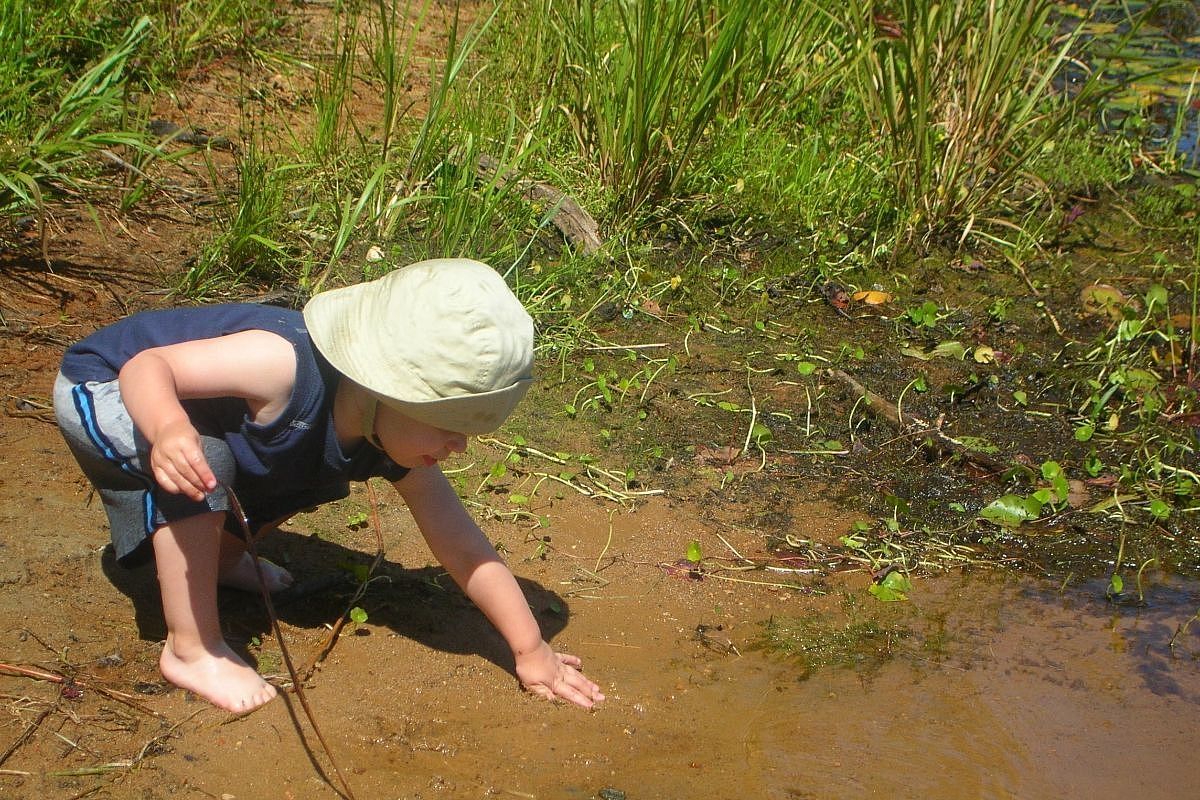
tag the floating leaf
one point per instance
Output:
(894, 587)
(1011, 510)
(984, 354)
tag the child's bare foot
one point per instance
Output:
(219, 677)
(242, 575)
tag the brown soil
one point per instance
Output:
(980, 689)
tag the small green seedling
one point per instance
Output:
(695, 554)
(1159, 509)
(357, 520)
(924, 315)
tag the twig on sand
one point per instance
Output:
(28, 732)
(912, 425)
(54, 677)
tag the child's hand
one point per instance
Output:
(556, 676)
(177, 460)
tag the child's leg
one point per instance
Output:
(196, 656)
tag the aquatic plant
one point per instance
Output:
(963, 95)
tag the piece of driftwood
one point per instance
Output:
(575, 224)
(912, 425)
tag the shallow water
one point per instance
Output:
(1037, 694)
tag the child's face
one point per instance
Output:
(415, 444)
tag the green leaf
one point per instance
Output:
(694, 553)
(1021, 398)
(760, 433)
(1011, 510)
(1085, 432)
(1159, 509)
(893, 588)
(1115, 585)
(357, 615)
(806, 367)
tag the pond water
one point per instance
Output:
(1154, 75)
(1029, 691)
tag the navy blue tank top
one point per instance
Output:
(290, 463)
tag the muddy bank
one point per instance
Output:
(985, 685)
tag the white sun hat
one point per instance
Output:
(443, 341)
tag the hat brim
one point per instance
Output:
(471, 414)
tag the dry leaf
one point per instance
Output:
(984, 354)
(1077, 493)
(872, 297)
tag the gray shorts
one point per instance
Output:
(115, 457)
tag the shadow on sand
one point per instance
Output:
(421, 604)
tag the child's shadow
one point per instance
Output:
(421, 604)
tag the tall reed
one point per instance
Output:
(643, 79)
(963, 94)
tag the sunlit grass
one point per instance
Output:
(963, 96)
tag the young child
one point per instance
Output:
(165, 409)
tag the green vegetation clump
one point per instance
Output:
(814, 642)
(888, 192)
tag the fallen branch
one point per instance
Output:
(576, 225)
(912, 425)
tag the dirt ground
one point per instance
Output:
(984, 686)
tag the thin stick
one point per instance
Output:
(902, 420)
(336, 631)
(297, 685)
(112, 694)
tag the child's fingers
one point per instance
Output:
(184, 471)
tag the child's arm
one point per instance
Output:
(460, 546)
(256, 365)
